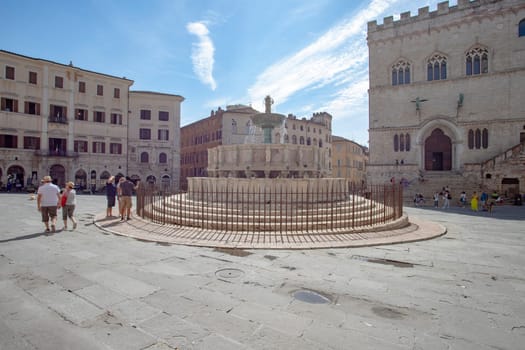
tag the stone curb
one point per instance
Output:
(137, 228)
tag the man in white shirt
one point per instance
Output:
(48, 201)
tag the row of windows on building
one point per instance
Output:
(476, 62)
(248, 128)
(302, 140)
(476, 139)
(162, 134)
(194, 157)
(402, 143)
(145, 114)
(205, 138)
(59, 82)
(57, 147)
(57, 113)
(190, 172)
(354, 163)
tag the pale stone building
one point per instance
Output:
(154, 137)
(72, 124)
(349, 160)
(446, 98)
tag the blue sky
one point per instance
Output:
(309, 55)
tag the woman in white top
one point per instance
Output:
(68, 203)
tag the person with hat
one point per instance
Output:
(68, 203)
(48, 201)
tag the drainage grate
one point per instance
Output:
(311, 297)
(229, 273)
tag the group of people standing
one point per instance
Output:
(122, 191)
(50, 199)
(476, 201)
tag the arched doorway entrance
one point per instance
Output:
(81, 179)
(15, 178)
(510, 186)
(438, 151)
(58, 174)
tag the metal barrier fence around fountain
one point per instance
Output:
(357, 209)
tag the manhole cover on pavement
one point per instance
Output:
(310, 296)
(229, 273)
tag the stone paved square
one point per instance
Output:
(463, 290)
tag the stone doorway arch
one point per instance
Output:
(81, 179)
(438, 151)
(58, 174)
(15, 178)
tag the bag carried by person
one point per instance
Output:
(63, 200)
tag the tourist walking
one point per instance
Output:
(126, 192)
(446, 199)
(111, 193)
(474, 202)
(463, 199)
(68, 202)
(436, 200)
(48, 201)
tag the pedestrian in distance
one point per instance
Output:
(68, 202)
(436, 200)
(474, 202)
(463, 199)
(111, 193)
(446, 199)
(126, 192)
(48, 201)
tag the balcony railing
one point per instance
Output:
(56, 153)
(57, 119)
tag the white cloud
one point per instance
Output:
(202, 53)
(321, 62)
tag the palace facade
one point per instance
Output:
(446, 98)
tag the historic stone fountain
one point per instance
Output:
(270, 191)
(267, 167)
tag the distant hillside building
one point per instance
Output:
(349, 160)
(446, 98)
(234, 126)
(81, 126)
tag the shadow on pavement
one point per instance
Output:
(503, 212)
(33, 235)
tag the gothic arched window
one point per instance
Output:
(401, 73)
(437, 68)
(477, 61)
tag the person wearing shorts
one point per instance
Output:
(48, 201)
(126, 191)
(69, 204)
